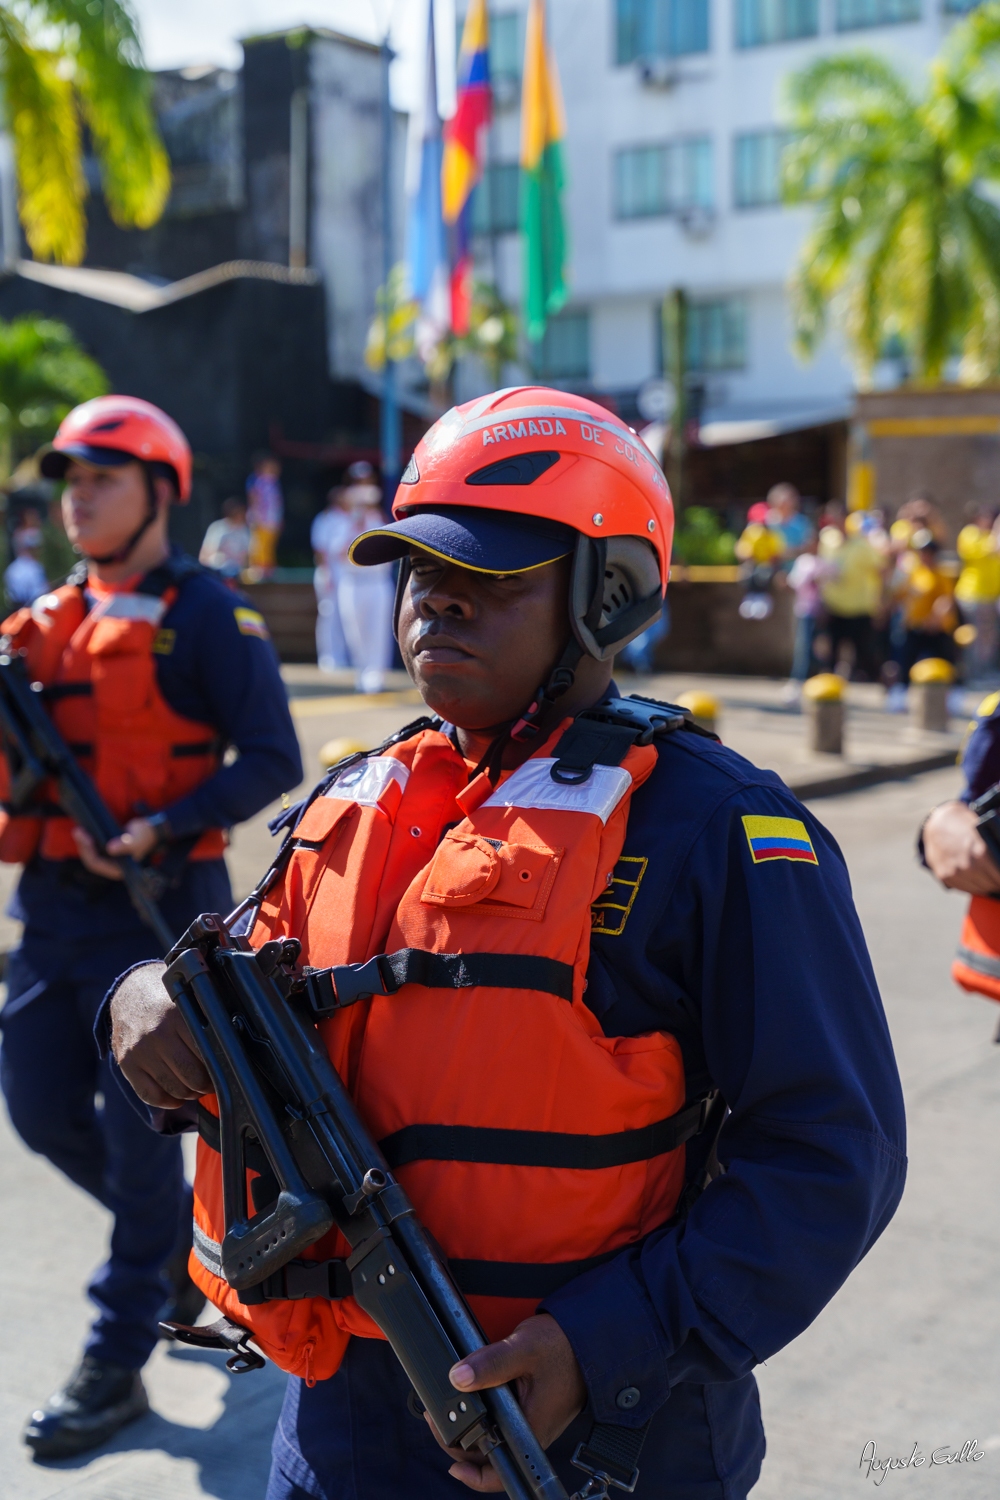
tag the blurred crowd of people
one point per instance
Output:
(873, 597)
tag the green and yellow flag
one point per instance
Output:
(543, 126)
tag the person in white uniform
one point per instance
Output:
(325, 538)
(364, 595)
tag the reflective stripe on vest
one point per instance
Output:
(516, 1127)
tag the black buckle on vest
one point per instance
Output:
(328, 990)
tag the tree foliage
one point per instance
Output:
(66, 65)
(43, 373)
(905, 185)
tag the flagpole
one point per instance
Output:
(390, 425)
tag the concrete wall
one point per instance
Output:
(944, 442)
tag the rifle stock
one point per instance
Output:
(36, 752)
(277, 1087)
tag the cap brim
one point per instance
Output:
(484, 541)
(56, 461)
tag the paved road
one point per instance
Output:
(908, 1352)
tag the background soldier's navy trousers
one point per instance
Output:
(65, 1104)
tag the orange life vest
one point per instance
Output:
(531, 1144)
(98, 671)
(977, 961)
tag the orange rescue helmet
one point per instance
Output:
(525, 475)
(114, 430)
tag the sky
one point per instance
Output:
(192, 31)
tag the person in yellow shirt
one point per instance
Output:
(851, 592)
(759, 549)
(978, 590)
(926, 593)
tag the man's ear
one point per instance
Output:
(164, 492)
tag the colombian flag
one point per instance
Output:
(779, 838)
(542, 180)
(462, 165)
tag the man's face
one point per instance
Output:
(479, 645)
(102, 508)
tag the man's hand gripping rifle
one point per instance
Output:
(37, 753)
(253, 1020)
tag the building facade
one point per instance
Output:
(675, 131)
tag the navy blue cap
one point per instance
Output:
(56, 461)
(487, 541)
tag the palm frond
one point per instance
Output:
(114, 92)
(43, 120)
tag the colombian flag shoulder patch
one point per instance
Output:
(250, 622)
(778, 838)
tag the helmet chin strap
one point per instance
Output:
(127, 547)
(540, 715)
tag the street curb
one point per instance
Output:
(865, 776)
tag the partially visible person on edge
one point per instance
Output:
(151, 669)
(760, 549)
(226, 547)
(784, 507)
(851, 591)
(24, 579)
(978, 591)
(950, 845)
(365, 595)
(265, 513)
(324, 538)
(925, 592)
(804, 579)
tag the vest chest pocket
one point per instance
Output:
(497, 878)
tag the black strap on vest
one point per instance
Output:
(611, 1457)
(543, 1148)
(328, 990)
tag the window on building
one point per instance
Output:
(564, 353)
(853, 14)
(506, 45)
(663, 179)
(717, 334)
(759, 22)
(757, 167)
(659, 28)
(495, 199)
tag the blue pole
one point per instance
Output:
(390, 434)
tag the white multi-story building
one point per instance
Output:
(674, 135)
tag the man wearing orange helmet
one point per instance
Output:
(150, 669)
(593, 928)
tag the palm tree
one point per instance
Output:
(907, 228)
(66, 65)
(43, 373)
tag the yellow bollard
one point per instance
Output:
(823, 696)
(703, 708)
(339, 749)
(930, 682)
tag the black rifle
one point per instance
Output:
(987, 810)
(252, 1015)
(36, 753)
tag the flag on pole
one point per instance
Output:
(464, 154)
(426, 246)
(543, 233)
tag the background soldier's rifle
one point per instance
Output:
(252, 1015)
(36, 754)
(987, 810)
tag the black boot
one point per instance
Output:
(97, 1399)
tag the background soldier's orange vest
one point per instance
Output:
(529, 1142)
(977, 962)
(99, 675)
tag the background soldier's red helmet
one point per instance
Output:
(113, 430)
(526, 475)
